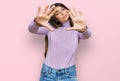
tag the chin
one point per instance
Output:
(65, 19)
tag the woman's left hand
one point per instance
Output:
(78, 21)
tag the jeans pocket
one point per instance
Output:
(72, 74)
(44, 72)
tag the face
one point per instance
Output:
(61, 14)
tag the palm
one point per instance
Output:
(78, 21)
(43, 18)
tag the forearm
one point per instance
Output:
(37, 29)
(33, 27)
(83, 29)
(84, 35)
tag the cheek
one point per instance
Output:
(67, 13)
(59, 17)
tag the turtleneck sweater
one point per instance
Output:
(62, 44)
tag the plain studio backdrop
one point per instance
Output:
(22, 53)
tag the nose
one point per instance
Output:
(62, 13)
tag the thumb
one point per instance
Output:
(50, 28)
(70, 28)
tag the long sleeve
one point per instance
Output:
(34, 28)
(84, 35)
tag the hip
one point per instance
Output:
(64, 74)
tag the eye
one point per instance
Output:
(57, 13)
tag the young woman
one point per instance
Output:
(63, 28)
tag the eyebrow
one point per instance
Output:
(57, 11)
(61, 8)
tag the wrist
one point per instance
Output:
(82, 30)
(35, 20)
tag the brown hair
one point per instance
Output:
(55, 24)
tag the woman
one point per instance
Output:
(63, 29)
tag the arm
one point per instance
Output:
(37, 29)
(41, 25)
(84, 35)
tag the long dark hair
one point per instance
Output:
(55, 24)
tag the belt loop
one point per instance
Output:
(66, 70)
(49, 70)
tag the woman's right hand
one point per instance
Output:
(42, 18)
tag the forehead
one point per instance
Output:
(58, 8)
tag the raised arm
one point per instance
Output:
(40, 24)
(79, 24)
(36, 29)
(84, 35)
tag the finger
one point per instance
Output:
(50, 10)
(39, 10)
(70, 14)
(73, 12)
(80, 15)
(51, 29)
(70, 28)
(76, 14)
(45, 10)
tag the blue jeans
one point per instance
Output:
(52, 74)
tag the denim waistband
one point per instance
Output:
(67, 69)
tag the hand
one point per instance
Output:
(44, 17)
(78, 21)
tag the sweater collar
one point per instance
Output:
(66, 24)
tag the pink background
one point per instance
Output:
(21, 52)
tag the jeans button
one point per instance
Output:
(59, 71)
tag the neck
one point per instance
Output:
(66, 23)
